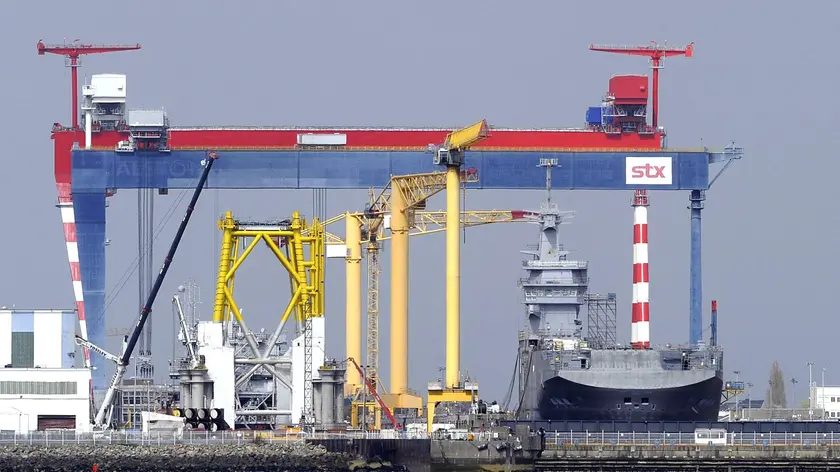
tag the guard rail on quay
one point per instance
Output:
(67, 437)
(553, 440)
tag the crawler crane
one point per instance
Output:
(103, 416)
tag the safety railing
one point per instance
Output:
(69, 437)
(557, 440)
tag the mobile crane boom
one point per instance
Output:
(100, 420)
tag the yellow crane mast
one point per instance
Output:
(425, 222)
(451, 155)
(400, 199)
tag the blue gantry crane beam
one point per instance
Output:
(97, 172)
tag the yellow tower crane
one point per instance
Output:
(425, 222)
(451, 155)
(303, 259)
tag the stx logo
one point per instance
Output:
(648, 171)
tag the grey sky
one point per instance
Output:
(762, 76)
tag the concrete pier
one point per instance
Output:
(513, 455)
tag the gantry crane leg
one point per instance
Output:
(353, 300)
(451, 155)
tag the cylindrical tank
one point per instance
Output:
(327, 402)
(198, 381)
(184, 381)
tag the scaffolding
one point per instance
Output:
(601, 316)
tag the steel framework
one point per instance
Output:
(601, 313)
(303, 260)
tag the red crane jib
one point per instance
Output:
(74, 49)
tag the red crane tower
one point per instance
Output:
(73, 51)
(656, 53)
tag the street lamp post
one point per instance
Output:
(810, 392)
(737, 383)
(793, 393)
(749, 398)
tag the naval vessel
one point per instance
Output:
(563, 375)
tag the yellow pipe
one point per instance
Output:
(453, 278)
(399, 295)
(353, 297)
(224, 267)
(234, 254)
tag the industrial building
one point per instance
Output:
(40, 384)
(37, 338)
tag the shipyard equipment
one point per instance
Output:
(349, 249)
(303, 157)
(73, 53)
(102, 419)
(371, 389)
(302, 256)
(400, 198)
(451, 155)
(657, 53)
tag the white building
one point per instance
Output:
(40, 386)
(39, 399)
(38, 338)
(827, 399)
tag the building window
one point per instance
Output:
(14, 387)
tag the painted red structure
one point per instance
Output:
(357, 138)
(629, 89)
(73, 52)
(640, 329)
(656, 53)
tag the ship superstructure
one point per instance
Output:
(563, 376)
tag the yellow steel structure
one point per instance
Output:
(353, 298)
(450, 154)
(401, 198)
(426, 222)
(303, 260)
(456, 143)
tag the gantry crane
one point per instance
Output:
(73, 52)
(656, 53)
(425, 222)
(103, 416)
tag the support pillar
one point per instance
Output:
(453, 278)
(399, 295)
(696, 199)
(353, 297)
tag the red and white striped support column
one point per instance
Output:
(640, 330)
(68, 219)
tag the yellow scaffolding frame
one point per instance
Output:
(303, 260)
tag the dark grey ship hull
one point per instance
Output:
(562, 399)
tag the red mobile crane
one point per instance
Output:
(73, 51)
(373, 392)
(656, 53)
